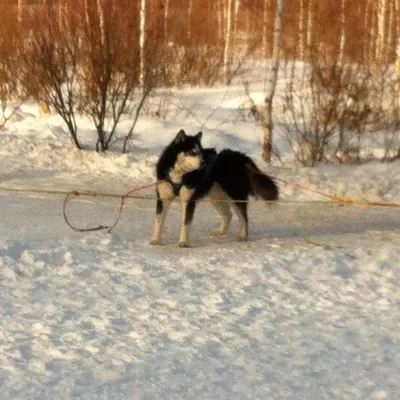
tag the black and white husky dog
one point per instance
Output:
(187, 170)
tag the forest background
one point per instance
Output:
(95, 56)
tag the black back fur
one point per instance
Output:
(238, 176)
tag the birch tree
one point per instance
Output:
(228, 39)
(342, 31)
(391, 39)
(265, 27)
(190, 12)
(237, 7)
(142, 41)
(100, 12)
(220, 18)
(272, 78)
(305, 20)
(19, 12)
(381, 33)
(367, 44)
(87, 13)
(302, 24)
(310, 23)
(397, 14)
(166, 16)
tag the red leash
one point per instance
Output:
(339, 200)
(72, 195)
(121, 207)
(75, 194)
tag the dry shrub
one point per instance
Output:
(50, 62)
(328, 108)
(109, 68)
(78, 60)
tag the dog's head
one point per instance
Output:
(189, 152)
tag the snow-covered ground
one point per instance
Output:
(309, 308)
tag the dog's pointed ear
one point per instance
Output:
(199, 136)
(180, 137)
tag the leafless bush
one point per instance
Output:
(50, 63)
(81, 61)
(109, 72)
(160, 105)
(327, 108)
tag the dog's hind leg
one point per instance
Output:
(241, 212)
(188, 207)
(223, 209)
(164, 199)
(220, 201)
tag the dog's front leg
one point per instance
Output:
(188, 207)
(165, 196)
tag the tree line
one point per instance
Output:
(102, 58)
(359, 30)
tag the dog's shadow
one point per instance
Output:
(322, 221)
(291, 222)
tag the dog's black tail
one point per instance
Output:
(261, 184)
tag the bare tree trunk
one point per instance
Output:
(272, 79)
(100, 12)
(87, 11)
(61, 13)
(265, 28)
(342, 31)
(391, 39)
(381, 34)
(166, 16)
(302, 24)
(397, 13)
(220, 19)
(367, 27)
(310, 23)
(190, 10)
(142, 40)
(237, 6)
(397, 64)
(19, 11)
(228, 39)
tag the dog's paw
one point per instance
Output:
(241, 238)
(183, 245)
(217, 233)
(155, 242)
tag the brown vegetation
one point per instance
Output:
(197, 29)
(87, 55)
